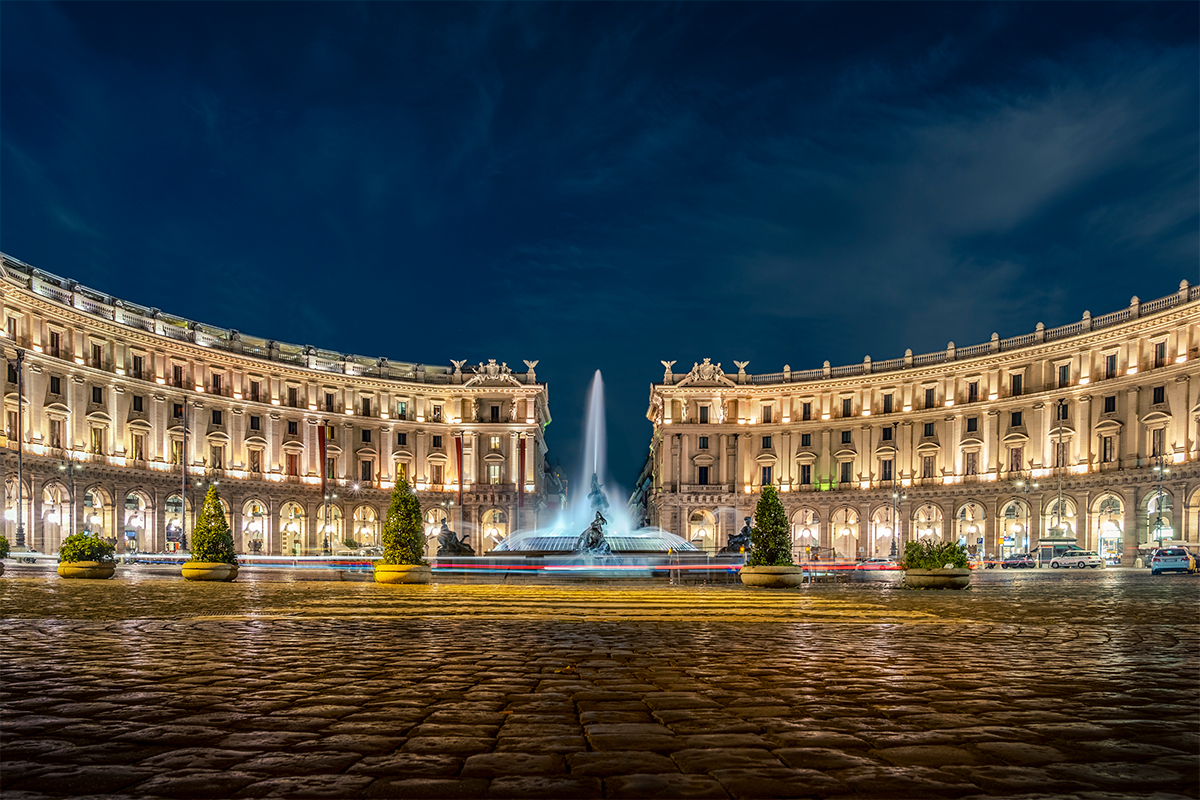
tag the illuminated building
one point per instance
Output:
(110, 387)
(963, 438)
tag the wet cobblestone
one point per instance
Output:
(1029, 685)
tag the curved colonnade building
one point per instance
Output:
(970, 444)
(305, 444)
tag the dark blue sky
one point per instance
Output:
(600, 186)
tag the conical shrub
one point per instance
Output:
(403, 535)
(770, 541)
(212, 541)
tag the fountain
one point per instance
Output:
(607, 531)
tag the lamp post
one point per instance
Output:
(1161, 470)
(20, 362)
(1022, 483)
(897, 496)
(69, 466)
(1059, 459)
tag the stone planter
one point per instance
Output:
(402, 573)
(772, 577)
(937, 578)
(94, 570)
(209, 571)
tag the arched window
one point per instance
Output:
(970, 525)
(137, 533)
(330, 530)
(254, 526)
(293, 532)
(56, 517)
(845, 534)
(702, 530)
(495, 528)
(365, 530)
(927, 522)
(884, 532)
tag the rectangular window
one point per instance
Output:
(139, 447)
(56, 433)
(847, 437)
(292, 464)
(847, 406)
(97, 394)
(972, 424)
(1060, 454)
(1016, 459)
(929, 428)
(55, 384)
(218, 417)
(293, 427)
(97, 356)
(494, 443)
(177, 375)
(887, 404)
(366, 470)
(885, 469)
(972, 391)
(1107, 449)
(806, 474)
(330, 400)
(806, 440)
(1160, 354)
(11, 322)
(366, 406)
(177, 410)
(1160, 395)
(704, 415)
(218, 457)
(766, 413)
(218, 383)
(493, 473)
(12, 373)
(256, 461)
(139, 403)
(1110, 404)
(436, 474)
(766, 442)
(366, 435)
(1110, 366)
(766, 476)
(1156, 441)
(971, 463)
(255, 423)
(10, 425)
(293, 396)
(1018, 419)
(495, 417)
(927, 467)
(846, 467)
(401, 471)
(887, 435)
(176, 451)
(255, 391)
(402, 409)
(437, 442)
(402, 439)
(437, 413)
(1064, 375)
(1016, 384)
(330, 433)
(1063, 410)
(703, 443)
(930, 397)
(55, 343)
(806, 411)
(702, 476)
(98, 441)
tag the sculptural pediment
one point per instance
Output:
(706, 373)
(493, 374)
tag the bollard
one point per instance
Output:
(1137, 562)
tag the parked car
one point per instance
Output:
(1172, 559)
(1078, 559)
(878, 563)
(1018, 560)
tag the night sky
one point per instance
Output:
(601, 186)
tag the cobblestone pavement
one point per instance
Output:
(1029, 685)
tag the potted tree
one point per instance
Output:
(769, 563)
(83, 555)
(213, 558)
(935, 566)
(403, 540)
(4, 546)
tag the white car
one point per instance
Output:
(1078, 559)
(878, 563)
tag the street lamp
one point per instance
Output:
(1026, 485)
(70, 467)
(1161, 470)
(18, 365)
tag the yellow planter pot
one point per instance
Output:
(402, 573)
(772, 577)
(94, 570)
(209, 571)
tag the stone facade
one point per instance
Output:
(972, 443)
(114, 392)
